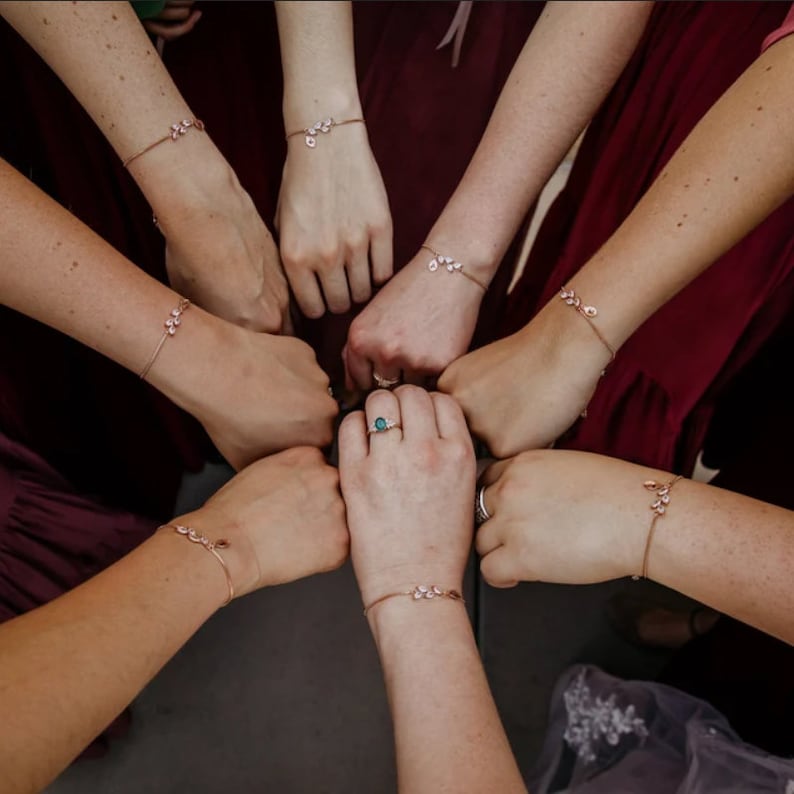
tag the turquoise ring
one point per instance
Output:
(381, 425)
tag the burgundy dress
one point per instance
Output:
(655, 403)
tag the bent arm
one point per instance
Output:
(56, 270)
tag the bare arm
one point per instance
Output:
(68, 668)
(254, 393)
(571, 60)
(726, 550)
(731, 172)
(333, 215)
(218, 250)
(420, 323)
(447, 730)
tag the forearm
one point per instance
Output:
(568, 65)
(318, 62)
(56, 270)
(732, 171)
(69, 668)
(105, 58)
(731, 552)
(447, 730)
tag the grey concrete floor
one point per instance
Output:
(282, 690)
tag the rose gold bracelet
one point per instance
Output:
(211, 546)
(450, 264)
(588, 312)
(659, 508)
(171, 324)
(176, 132)
(324, 126)
(420, 593)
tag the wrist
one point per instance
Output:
(186, 178)
(319, 101)
(239, 558)
(400, 623)
(189, 366)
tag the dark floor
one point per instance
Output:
(282, 692)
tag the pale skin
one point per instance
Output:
(68, 668)
(254, 393)
(575, 518)
(732, 171)
(333, 216)
(219, 252)
(422, 321)
(417, 530)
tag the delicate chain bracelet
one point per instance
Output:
(659, 508)
(211, 546)
(324, 126)
(171, 324)
(451, 265)
(588, 312)
(175, 133)
(420, 593)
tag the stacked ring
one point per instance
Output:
(384, 383)
(381, 425)
(481, 514)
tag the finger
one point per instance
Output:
(358, 370)
(489, 537)
(381, 255)
(308, 294)
(334, 286)
(418, 414)
(171, 31)
(494, 472)
(449, 418)
(499, 568)
(353, 442)
(358, 276)
(173, 13)
(383, 410)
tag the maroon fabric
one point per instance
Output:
(654, 404)
(52, 537)
(424, 118)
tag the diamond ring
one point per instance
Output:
(381, 425)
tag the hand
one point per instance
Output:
(415, 326)
(526, 390)
(565, 517)
(262, 394)
(220, 254)
(333, 220)
(284, 518)
(175, 20)
(408, 491)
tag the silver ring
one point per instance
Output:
(384, 383)
(481, 514)
(381, 425)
